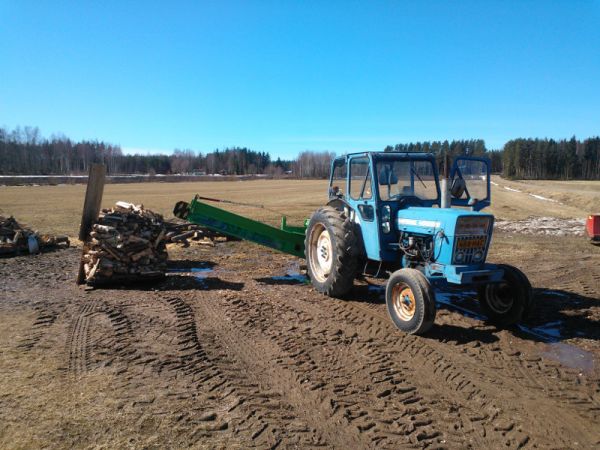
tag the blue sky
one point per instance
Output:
(288, 76)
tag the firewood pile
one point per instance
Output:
(17, 239)
(181, 232)
(128, 243)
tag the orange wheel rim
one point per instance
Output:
(404, 301)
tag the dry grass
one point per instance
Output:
(57, 209)
(572, 199)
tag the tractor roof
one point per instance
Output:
(391, 155)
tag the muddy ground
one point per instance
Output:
(235, 350)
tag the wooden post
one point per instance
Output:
(91, 209)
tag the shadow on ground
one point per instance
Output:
(558, 315)
(182, 275)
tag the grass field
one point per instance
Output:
(57, 209)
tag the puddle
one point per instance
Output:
(199, 273)
(555, 293)
(293, 275)
(570, 356)
(190, 270)
(292, 278)
(550, 332)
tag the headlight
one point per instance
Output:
(386, 213)
(459, 257)
(477, 256)
(386, 216)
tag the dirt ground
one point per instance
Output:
(234, 350)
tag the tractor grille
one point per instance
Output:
(468, 246)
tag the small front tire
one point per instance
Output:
(410, 301)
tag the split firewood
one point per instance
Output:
(180, 233)
(128, 244)
(18, 239)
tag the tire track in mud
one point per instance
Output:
(46, 316)
(354, 384)
(244, 408)
(546, 378)
(78, 342)
(532, 372)
(192, 359)
(304, 411)
(450, 369)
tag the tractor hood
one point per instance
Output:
(433, 220)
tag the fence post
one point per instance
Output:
(91, 209)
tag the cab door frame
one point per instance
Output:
(364, 204)
(456, 174)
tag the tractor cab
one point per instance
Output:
(408, 179)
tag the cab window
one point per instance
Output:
(338, 178)
(360, 179)
(405, 178)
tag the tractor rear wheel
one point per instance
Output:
(331, 250)
(508, 302)
(410, 301)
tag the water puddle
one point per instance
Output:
(566, 354)
(570, 356)
(555, 293)
(292, 278)
(199, 273)
(550, 333)
(293, 275)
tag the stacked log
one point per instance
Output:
(127, 243)
(17, 239)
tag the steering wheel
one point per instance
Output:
(409, 200)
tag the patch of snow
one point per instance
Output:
(539, 197)
(550, 226)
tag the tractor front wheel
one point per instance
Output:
(508, 302)
(331, 250)
(410, 301)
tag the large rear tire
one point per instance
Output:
(510, 301)
(331, 250)
(410, 301)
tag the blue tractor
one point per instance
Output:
(388, 216)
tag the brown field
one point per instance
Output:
(57, 209)
(243, 356)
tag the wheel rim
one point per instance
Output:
(404, 301)
(500, 298)
(321, 252)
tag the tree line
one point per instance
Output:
(23, 151)
(550, 159)
(465, 147)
